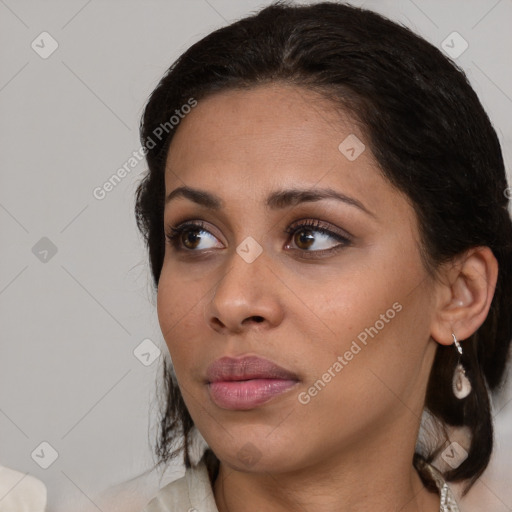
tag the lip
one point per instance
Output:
(247, 382)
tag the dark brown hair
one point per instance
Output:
(427, 130)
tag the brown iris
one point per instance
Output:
(305, 237)
(191, 237)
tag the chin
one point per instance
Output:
(255, 454)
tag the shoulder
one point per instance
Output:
(158, 489)
(132, 495)
(21, 491)
(192, 491)
(174, 496)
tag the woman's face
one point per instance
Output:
(343, 303)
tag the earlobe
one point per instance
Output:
(464, 295)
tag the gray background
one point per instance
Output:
(72, 320)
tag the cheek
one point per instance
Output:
(375, 323)
(342, 307)
(180, 309)
(364, 375)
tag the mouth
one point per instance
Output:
(248, 382)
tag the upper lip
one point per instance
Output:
(245, 368)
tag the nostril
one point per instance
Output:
(258, 318)
(217, 322)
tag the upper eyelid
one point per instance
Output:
(312, 224)
(317, 224)
(200, 225)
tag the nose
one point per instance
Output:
(247, 295)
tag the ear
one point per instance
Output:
(463, 295)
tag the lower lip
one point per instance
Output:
(247, 394)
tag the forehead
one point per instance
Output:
(276, 123)
(245, 143)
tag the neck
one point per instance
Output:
(366, 477)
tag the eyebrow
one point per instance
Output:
(277, 200)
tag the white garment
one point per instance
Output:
(20, 492)
(190, 493)
(193, 493)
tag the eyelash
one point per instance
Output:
(173, 236)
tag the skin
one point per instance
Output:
(350, 447)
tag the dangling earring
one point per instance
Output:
(460, 384)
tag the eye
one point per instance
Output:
(188, 235)
(304, 238)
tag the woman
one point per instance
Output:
(326, 217)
